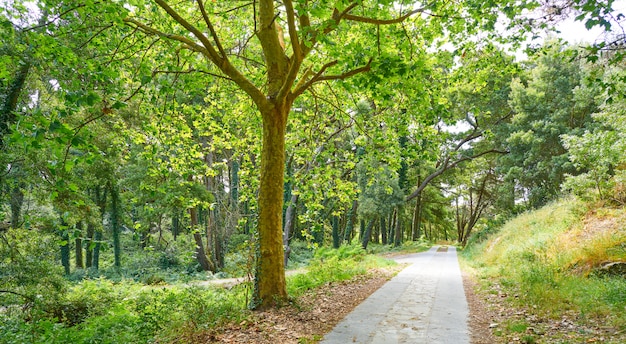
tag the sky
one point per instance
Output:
(575, 31)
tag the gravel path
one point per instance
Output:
(425, 303)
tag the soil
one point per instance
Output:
(481, 318)
(495, 318)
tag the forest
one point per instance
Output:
(155, 142)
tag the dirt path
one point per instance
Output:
(425, 303)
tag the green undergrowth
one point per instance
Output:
(551, 260)
(405, 248)
(335, 265)
(125, 311)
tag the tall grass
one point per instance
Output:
(551, 257)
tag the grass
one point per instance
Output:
(551, 258)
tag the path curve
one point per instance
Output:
(424, 303)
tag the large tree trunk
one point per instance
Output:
(270, 288)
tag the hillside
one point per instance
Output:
(555, 275)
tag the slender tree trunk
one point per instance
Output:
(376, 231)
(347, 235)
(368, 233)
(89, 248)
(65, 247)
(115, 225)
(201, 257)
(101, 201)
(399, 231)
(290, 219)
(417, 218)
(336, 240)
(78, 249)
(234, 183)
(383, 230)
(96, 250)
(17, 200)
(270, 286)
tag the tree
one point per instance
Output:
(549, 103)
(308, 27)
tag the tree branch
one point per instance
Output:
(189, 71)
(212, 53)
(375, 21)
(149, 30)
(320, 77)
(448, 166)
(29, 298)
(211, 28)
(293, 33)
(207, 50)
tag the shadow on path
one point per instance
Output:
(424, 303)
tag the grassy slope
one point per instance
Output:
(549, 259)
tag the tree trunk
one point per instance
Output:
(175, 225)
(115, 225)
(204, 262)
(290, 219)
(234, 183)
(347, 235)
(78, 249)
(336, 240)
(89, 249)
(96, 250)
(417, 219)
(399, 231)
(383, 230)
(367, 234)
(101, 200)
(270, 288)
(17, 200)
(65, 247)
(7, 116)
